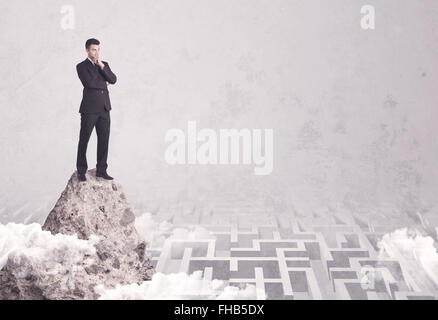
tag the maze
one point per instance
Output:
(290, 256)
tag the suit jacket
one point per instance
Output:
(95, 97)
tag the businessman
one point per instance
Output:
(95, 75)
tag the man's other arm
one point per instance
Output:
(107, 73)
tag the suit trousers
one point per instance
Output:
(102, 123)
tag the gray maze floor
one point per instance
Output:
(288, 256)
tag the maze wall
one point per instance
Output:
(288, 256)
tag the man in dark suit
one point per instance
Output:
(95, 109)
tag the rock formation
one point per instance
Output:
(95, 210)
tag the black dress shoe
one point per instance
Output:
(104, 175)
(81, 177)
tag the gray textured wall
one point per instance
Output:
(354, 112)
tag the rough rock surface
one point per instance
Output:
(96, 207)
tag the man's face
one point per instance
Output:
(93, 51)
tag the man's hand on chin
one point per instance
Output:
(99, 62)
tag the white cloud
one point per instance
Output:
(416, 254)
(39, 247)
(177, 286)
(152, 232)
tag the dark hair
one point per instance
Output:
(90, 42)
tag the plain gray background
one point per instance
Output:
(353, 111)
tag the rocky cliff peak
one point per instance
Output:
(96, 211)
